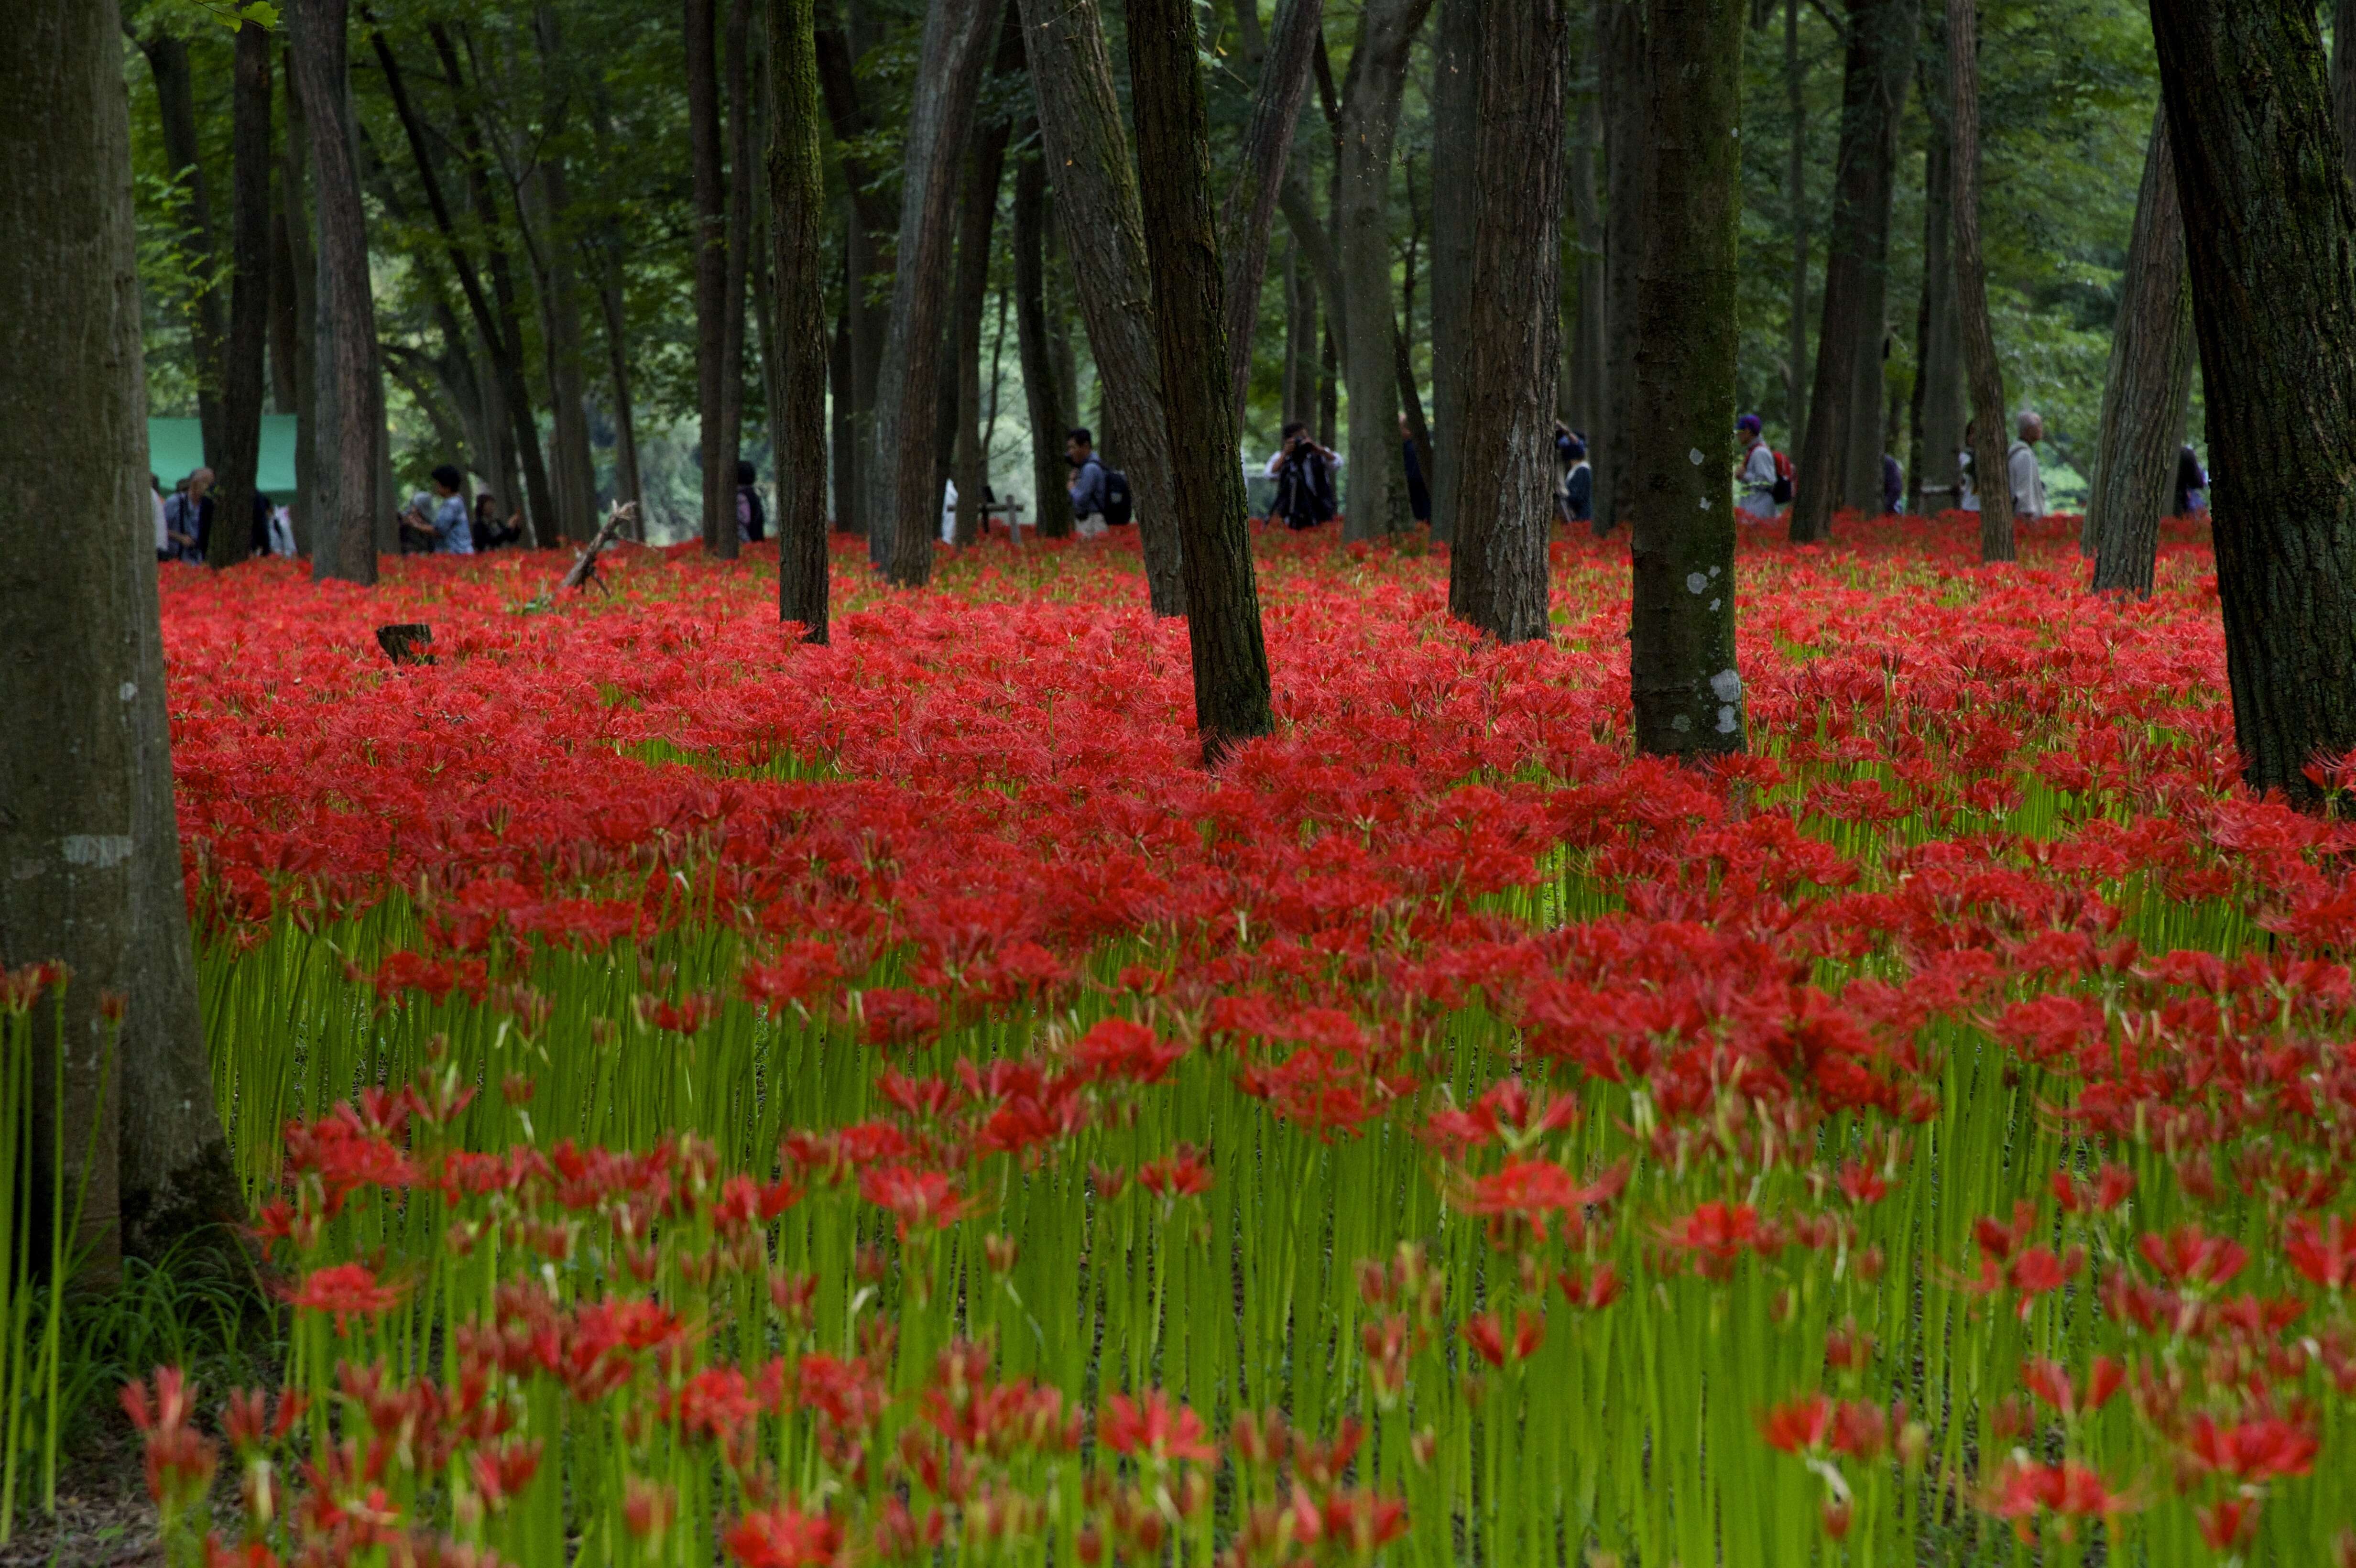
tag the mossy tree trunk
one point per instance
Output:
(1626, 65)
(797, 219)
(1249, 215)
(1222, 625)
(1687, 695)
(1497, 567)
(1042, 391)
(2273, 303)
(1990, 440)
(2151, 381)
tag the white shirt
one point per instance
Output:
(948, 513)
(2027, 484)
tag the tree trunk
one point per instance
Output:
(1104, 232)
(2149, 383)
(294, 213)
(2249, 118)
(572, 468)
(1223, 624)
(873, 226)
(845, 449)
(342, 503)
(1988, 443)
(1497, 570)
(1299, 341)
(1939, 405)
(613, 302)
(907, 394)
(736, 278)
(1375, 474)
(249, 322)
(709, 197)
(167, 62)
(1455, 148)
(85, 747)
(2343, 79)
(1688, 693)
(1626, 68)
(798, 262)
(977, 227)
(1250, 212)
(1051, 509)
(1588, 340)
(1839, 461)
(1795, 82)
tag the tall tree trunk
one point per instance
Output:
(1687, 692)
(1249, 215)
(1042, 394)
(1103, 225)
(572, 466)
(2343, 79)
(1222, 625)
(711, 230)
(285, 324)
(797, 261)
(1991, 478)
(1796, 189)
(2150, 381)
(1497, 570)
(1299, 341)
(956, 36)
(844, 448)
(613, 302)
(175, 101)
(342, 504)
(295, 211)
(2249, 117)
(1839, 463)
(735, 280)
(977, 227)
(1456, 149)
(1376, 475)
(1627, 67)
(1939, 399)
(248, 321)
(1587, 341)
(92, 853)
(874, 223)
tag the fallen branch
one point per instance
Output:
(584, 567)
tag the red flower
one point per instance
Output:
(346, 1290)
(1153, 1428)
(2253, 1451)
(2326, 1253)
(785, 1537)
(1800, 1427)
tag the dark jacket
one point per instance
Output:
(1304, 489)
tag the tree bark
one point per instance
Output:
(2151, 381)
(908, 392)
(1103, 226)
(613, 302)
(249, 323)
(1989, 444)
(1497, 569)
(85, 825)
(1839, 460)
(736, 277)
(295, 215)
(710, 195)
(572, 468)
(2343, 79)
(1939, 399)
(1299, 341)
(1376, 474)
(1456, 149)
(1249, 215)
(167, 62)
(2248, 119)
(871, 227)
(977, 227)
(1688, 694)
(1588, 340)
(342, 504)
(1627, 67)
(1051, 511)
(1795, 83)
(797, 265)
(1223, 624)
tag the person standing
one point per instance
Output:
(1303, 472)
(1418, 490)
(752, 517)
(452, 534)
(188, 516)
(1089, 487)
(1893, 485)
(2021, 463)
(1574, 496)
(2192, 483)
(1757, 475)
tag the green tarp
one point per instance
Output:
(176, 449)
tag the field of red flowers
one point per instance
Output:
(710, 1094)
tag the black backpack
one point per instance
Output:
(1120, 507)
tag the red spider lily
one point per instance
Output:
(1716, 1234)
(1801, 1427)
(1120, 1048)
(2051, 1382)
(1530, 1189)
(785, 1537)
(1182, 1175)
(1486, 1335)
(918, 1200)
(1595, 1291)
(2111, 1187)
(2325, 1252)
(1153, 1428)
(347, 1291)
(2253, 1451)
(2023, 1490)
(2227, 1523)
(2188, 1256)
(180, 1459)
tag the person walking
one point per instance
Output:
(752, 517)
(1757, 475)
(1303, 472)
(2020, 463)
(189, 518)
(1089, 488)
(1574, 493)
